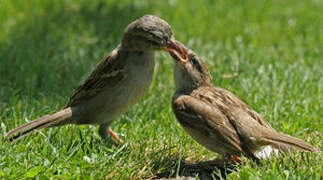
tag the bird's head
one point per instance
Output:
(189, 72)
(149, 33)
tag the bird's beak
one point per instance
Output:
(177, 50)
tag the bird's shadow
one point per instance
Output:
(204, 170)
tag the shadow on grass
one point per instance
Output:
(204, 170)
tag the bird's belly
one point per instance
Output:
(210, 143)
(113, 101)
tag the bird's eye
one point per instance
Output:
(165, 41)
(196, 63)
(154, 43)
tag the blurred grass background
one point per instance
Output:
(269, 53)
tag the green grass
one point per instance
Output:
(269, 53)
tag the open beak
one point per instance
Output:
(177, 50)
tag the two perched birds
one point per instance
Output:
(214, 117)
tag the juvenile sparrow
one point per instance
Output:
(116, 84)
(217, 119)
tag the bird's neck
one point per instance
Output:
(138, 61)
(186, 85)
(183, 86)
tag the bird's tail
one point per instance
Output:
(40, 123)
(287, 143)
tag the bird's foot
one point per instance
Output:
(115, 137)
(236, 160)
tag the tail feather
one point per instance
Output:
(40, 123)
(282, 141)
(267, 152)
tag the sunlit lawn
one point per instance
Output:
(269, 53)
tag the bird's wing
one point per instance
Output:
(206, 118)
(248, 128)
(241, 112)
(107, 73)
(232, 100)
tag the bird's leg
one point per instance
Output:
(235, 159)
(114, 136)
(104, 132)
(229, 159)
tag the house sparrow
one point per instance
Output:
(219, 120)
(116, 84)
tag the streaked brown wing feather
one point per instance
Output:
(242, 118)
(229, 99)
(107, 73)
(206, 118)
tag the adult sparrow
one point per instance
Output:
(116, 84)
(219, 120)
